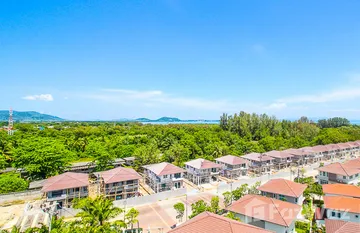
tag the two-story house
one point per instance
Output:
(339, 226)
(120, 183)
(201, 171)
(345, 150)
(163, 176)
(282, 159)
(345, 190)
(320, 153)
(66, 187)
(333, 151)
(342, 208)
(284, 190)
(259, 163)
(300, 156)
(267, 213)
(232, 166)
(346, 173)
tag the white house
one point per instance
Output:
(342, 208)
(284, 190)
(163, 176)
(232, 166)
(201, 171)
(346, 173)
(267, 213)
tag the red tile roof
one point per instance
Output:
(202, 164)
(279, 154)
(164, 168)
(333, 146)
(232, 160)
(343, 146)
(297, 152)
(346, 204)
(119, 174)
(284, 187)
(342, 190)
(257, 157)
(211, 223)
(321, 148)
(66, 180)
(267, 209)
(339, 226)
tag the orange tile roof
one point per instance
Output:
(119, 174)
(257, 157)
(342, 190)
(284, 187)
(164, 168)
(207, 222)
(345, 169)
(339, 226)
(232, 160)
(202, 164)
(267, 209)
(346, 204)
(66, 180)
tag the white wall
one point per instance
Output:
(345, 216)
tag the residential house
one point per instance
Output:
(66, 187)
(284, 190)
(267, 213)
(333, 151)
(321, 152)
(355, 148)
(339, 226)
(259, 163)
(163, 176)
(207, 222)
(300, 156)
(201, 171)
(346, 173)
(88, 167)
(342, 208)
(120, 183)
(232, 166)
(281, 159)
(345, 150)
(345, 190)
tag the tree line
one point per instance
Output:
(48, 149)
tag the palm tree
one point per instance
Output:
(96, 211)
(131, 217)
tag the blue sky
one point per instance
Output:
(190, 59)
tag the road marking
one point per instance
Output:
(160, 217)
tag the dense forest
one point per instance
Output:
(47, 149)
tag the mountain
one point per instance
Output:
(168, 119)
(28, 116)
(142, 119)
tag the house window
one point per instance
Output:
(344, 177)
(165, 176)
(213, 169)
(130, 182)
(177, 175)
(333, 214)
(339, 215)
(356, 175)
(351, 177)
(356, 216)
(296, 200)
(77, 189)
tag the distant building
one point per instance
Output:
(267, 213)
(342, 208)
(259, 163)
(284, 190)
(345, 190)
(163, 176)
(232, 166)
(201, 171)
(207, 222)
(88, 167)
(300, 156)
(346, 173)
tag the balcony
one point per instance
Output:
(67, 196)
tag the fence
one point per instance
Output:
(142, 200)
(25, 195)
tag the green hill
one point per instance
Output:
(28, 116)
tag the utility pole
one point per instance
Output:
(11, 123)
(186, 203)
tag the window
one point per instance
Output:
(165, 176)
(213, 169)
(296, 200)
(356, 175)
(356, 216)
(130, 182)
(339, 215)
(333, 214)
(351, 177)
(177, 175)
(77, 189)
(344, 177)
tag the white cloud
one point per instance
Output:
(277, 106)
(41, 97)
(155, 98)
